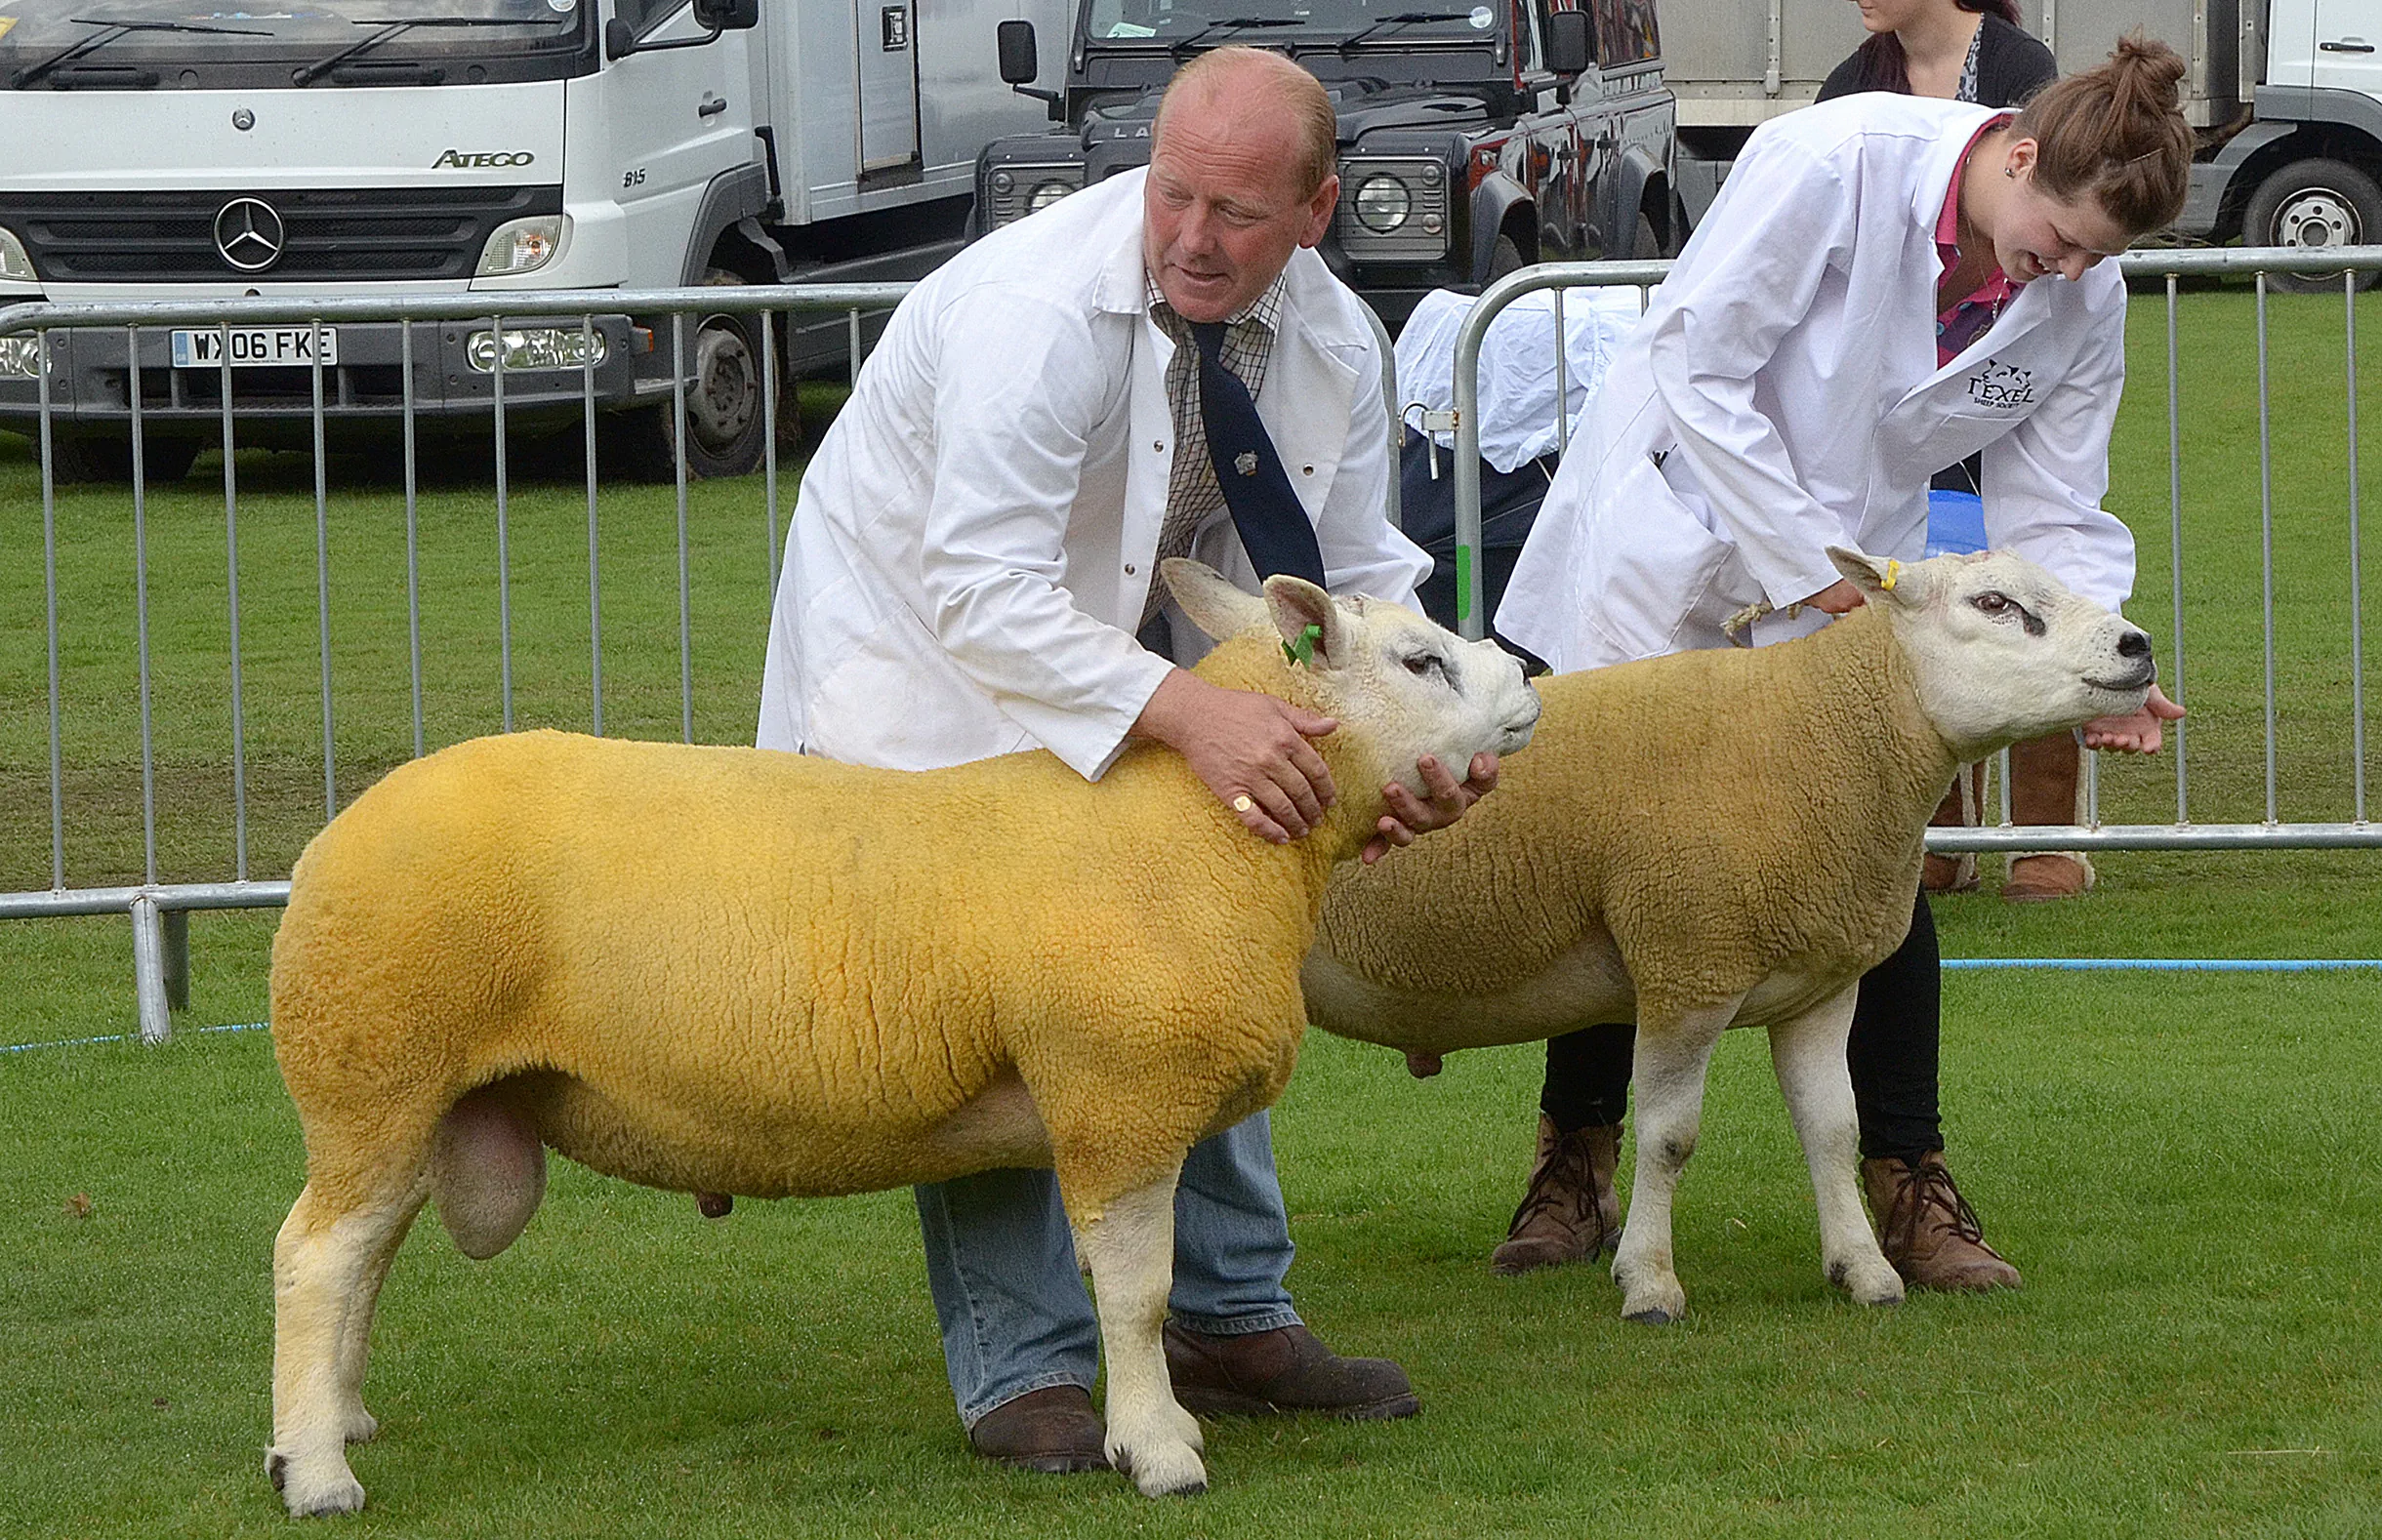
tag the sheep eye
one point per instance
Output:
(1423, 665)
(1991, 603)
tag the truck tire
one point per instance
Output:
(86, 460)
(726, 420)
(2315, 203)
(1503, 258)
(1649, 244)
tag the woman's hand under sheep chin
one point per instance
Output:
(1410, 815)
(2138, 734)
(1251, 750)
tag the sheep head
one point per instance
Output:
(2000, 649)
(1408, 686)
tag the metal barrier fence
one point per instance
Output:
(2173, 265)
(159, 908)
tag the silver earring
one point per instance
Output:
(2007, 172)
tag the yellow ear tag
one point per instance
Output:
(1894, 575)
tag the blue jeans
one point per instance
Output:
(1010, 1298)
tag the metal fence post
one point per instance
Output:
(149, 971)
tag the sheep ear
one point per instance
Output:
(1877, 576)
(1314, 630)
(1214, 604)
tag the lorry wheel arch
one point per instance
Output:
(1501, 209)
(727, 416)
(2315, 201)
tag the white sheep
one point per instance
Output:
(734, 971)
(1721, 839)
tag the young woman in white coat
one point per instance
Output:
(1887, 285)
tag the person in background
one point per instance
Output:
(1976, 50)
(1885, 285)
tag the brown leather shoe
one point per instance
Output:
(1265, 1373)
(1052, 1430)
(1927, 1230)
(1569, 1212)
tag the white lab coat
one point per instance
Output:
(973, 542)
(1783, 395)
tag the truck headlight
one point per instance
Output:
(14, 263)
(1393, 209)
(1017, 190)
(20, 357)
(1383, 204)
(522, 246)
(536, 347)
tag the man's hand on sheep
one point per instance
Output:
(1251, 750)
(2138, 734)
(1410, 815)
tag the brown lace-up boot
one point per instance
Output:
(2047, 786)
(1926, 1228)
(1569, 1212)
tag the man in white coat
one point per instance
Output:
(970, 565)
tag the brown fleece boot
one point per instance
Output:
(1962, 807)
(2047, 786)
(1927, 1230)
(1569, 1212)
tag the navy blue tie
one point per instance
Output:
(1273, 525)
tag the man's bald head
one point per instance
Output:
(1233, 190)
(1244, 80)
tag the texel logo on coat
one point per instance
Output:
(2000, 385)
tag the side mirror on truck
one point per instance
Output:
(714, 16)
(1568, 47)
(727, 16)
(1020, 62)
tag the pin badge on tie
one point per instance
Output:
(1246, 462)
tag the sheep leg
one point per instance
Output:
(1808, 1054)
(327, 1268)
(1673, 1050)
(1129, 1248)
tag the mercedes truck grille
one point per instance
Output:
(275, 234)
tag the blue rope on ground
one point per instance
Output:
(122, 1037)
(2171, 964)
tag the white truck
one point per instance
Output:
(2286, 95)
(165, 150)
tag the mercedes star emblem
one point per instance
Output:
(248, 231)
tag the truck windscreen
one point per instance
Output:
(139, 44)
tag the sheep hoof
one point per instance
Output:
(1163, 1472)
(714, 1205)
(1653, 1316)
(362, 1426)
(335, 1492)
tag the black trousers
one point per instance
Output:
(1893, 1054)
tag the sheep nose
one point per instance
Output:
(2134, 644)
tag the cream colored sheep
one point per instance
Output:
(1721, 839)
(743, 972)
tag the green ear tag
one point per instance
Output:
(1303, 649)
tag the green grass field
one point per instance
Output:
(2183, 1166)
